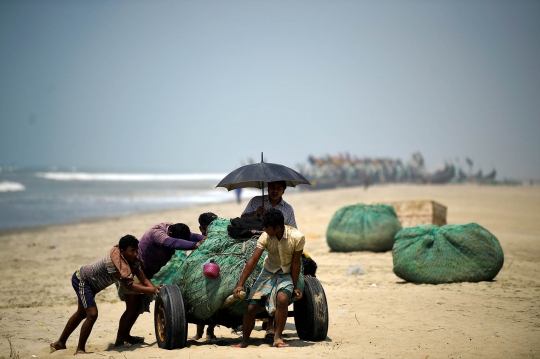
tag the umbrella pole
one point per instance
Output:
(262, 198)
(262, 183)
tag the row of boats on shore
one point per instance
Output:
(343, 171)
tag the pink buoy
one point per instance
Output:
(211, 270)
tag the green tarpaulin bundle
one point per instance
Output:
(452, 253)
(363, 227)
(167, 273)
(204, 296)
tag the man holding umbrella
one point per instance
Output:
(260, 204)
(274, 176)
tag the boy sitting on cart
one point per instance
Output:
(278, 280)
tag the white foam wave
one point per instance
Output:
(132, 177)
(6, 186)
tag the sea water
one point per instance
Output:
(33, 198)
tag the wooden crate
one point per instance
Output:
(414, 213)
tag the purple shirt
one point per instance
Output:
(156, 248)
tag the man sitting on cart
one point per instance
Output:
(259, 204)
(278, 280)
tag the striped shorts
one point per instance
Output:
(85, 294)
(266, 288)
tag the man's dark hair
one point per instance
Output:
(180, 231)
(273, 218)
(309, 266)
(281, 183)
(206, 218)
(128, 241)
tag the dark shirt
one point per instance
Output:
(156, 248)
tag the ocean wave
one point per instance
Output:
(6, 186)
(130, 177)
(190, 197)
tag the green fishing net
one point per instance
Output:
(362, 227)
(451, 253)
(203, 296)
(167, 273)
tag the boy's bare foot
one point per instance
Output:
(196, 337)
(129, 340)
(280, 344)
(240, 345)
(211, 338)
(57, 346)
(134, 340)
(80, 351)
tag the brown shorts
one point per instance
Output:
(145, 299)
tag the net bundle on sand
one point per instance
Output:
(363, 227)
(451, 253)
(204, 296)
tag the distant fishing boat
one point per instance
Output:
(344, 170)
(443, 176)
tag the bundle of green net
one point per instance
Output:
(203, 296)
(167, 273)
(451, 253)
(362, 227)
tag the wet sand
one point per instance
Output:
(375, 315)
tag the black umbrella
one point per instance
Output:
(258, 175)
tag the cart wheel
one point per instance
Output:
(170, 318)
(311, 312)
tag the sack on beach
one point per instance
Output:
(204, 296)
(452, 253)
(363, 227)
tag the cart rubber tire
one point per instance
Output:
(170, 321)
(311, 312)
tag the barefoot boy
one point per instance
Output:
(156, 248)
(121, 264)
(279, 277)
(257, 206)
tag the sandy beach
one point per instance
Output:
(375, 315)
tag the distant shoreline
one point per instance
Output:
(93, 220)
(291, 192)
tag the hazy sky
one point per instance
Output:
(184, 86)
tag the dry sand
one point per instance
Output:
(375, 315)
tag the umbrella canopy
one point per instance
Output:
(258, 175)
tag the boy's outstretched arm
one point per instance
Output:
(295, 272)
(146, 287)
(146, 282)
(248, 269)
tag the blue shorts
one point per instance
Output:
(85, 294)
